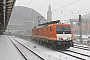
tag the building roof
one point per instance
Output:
(6, 7)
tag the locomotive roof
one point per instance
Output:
(52, 22)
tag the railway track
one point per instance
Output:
(25, 51)
(82, 47)
(79, 52)
(73, 53)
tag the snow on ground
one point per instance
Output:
(85, 38)
(29, 55)
(7, 49)
(81, 51)
(44, 52)
(81, 45)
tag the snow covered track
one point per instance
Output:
(50, 54)
(75, 53)
(82, 47)
(72, 55)
(78, 53)
(25, 52)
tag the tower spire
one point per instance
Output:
(49, 8)
(49, 13)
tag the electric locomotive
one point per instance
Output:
(54, 34)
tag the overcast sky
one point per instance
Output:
(61, 9)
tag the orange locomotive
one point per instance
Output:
(54, 34)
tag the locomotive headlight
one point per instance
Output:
(69, 38)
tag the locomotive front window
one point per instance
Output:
(61, 29)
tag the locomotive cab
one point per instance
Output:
(62, 34)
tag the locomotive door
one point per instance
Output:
(51, 32)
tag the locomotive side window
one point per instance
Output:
(50, 28)
(61, 29)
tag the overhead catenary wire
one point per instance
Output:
(44, 3)
(31, 2)
(74, 13)
(57, 8)
(66, 5)
(28, 4)
(78, 11)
